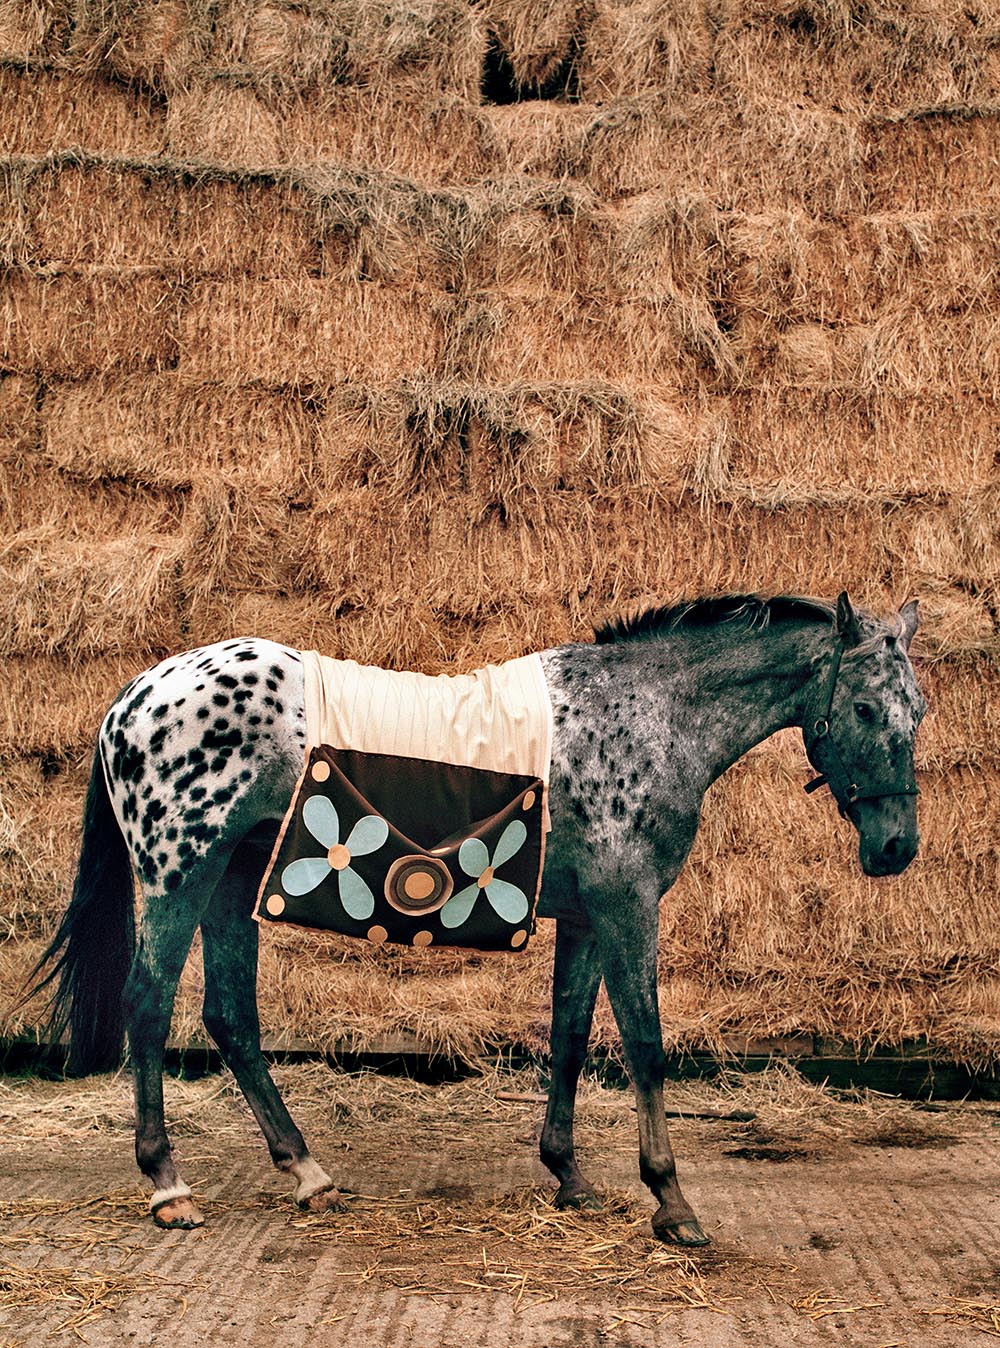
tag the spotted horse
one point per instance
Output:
(197, 759)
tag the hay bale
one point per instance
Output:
(51, 710)
(83, 597)
(796, 268)
(70, 326)
(664, 341)
(928, 158)
(763, 156)
(893, 57)
(166, 431)
(534, 49)
(501, 447)
(280, 331)
(46, 111)
(170, 216)
(882, 445)
(439, 140)
(636, 47)
(32, 32)
(18, 416)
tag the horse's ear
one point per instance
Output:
(848, 626)
(909, 616)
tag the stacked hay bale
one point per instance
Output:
(428, 334)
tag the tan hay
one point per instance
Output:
(165, 430)
(49, 710)
(236, 540)
(656, 342)
(927, 159)
(793, 267)
(632, 48)
(73, 327)
(185, 220)
(880, 445)
(539, 38)
(92, 1294)
(44, 112)
(88, 597)
(440, 140)
(32, 30)
(897, 57)
(40, 504)
(750, 157)
(306, 330)
(494, 443)
(18, 415)
(899, 351)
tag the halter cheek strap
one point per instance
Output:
(847, 788)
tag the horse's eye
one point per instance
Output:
(864, 712)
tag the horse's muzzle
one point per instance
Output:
(892, 858)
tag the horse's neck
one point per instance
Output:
(707, 695)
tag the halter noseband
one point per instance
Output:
(844, 787)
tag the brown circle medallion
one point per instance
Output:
(275, 905)
(320, 771)
(418, 884)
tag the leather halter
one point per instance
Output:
(846, 788)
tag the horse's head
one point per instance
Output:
(862, 715)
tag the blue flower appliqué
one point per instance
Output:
(506, 899)
(367, 835)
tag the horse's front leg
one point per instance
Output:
(575, 980)
(627, 940)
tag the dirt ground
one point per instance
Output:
(860, 1221)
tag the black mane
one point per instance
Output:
(752, 610)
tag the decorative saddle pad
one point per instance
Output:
(427, 829)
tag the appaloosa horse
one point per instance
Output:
(198, 757)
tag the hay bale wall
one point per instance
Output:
(656, 298)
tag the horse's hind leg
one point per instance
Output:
(229, 945)
(575, 981)
(168, 927)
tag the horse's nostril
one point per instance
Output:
(893, 847)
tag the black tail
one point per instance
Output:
(94, 945)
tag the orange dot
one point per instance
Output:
(486, 878)
(529, 801)
(275, 905)
(423, 938)
(339, 857)
(518, 939)
(419, 885)
(378, 935)
(320, 771)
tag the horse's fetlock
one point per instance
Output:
(555, 1154)
(657, 1170)
(151, 1154)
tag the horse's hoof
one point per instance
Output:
(326, 1200)
(178, 1214)
(687, 1232)
(579, 1198)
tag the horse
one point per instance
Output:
(197, 758)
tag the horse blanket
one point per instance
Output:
(421, 812)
